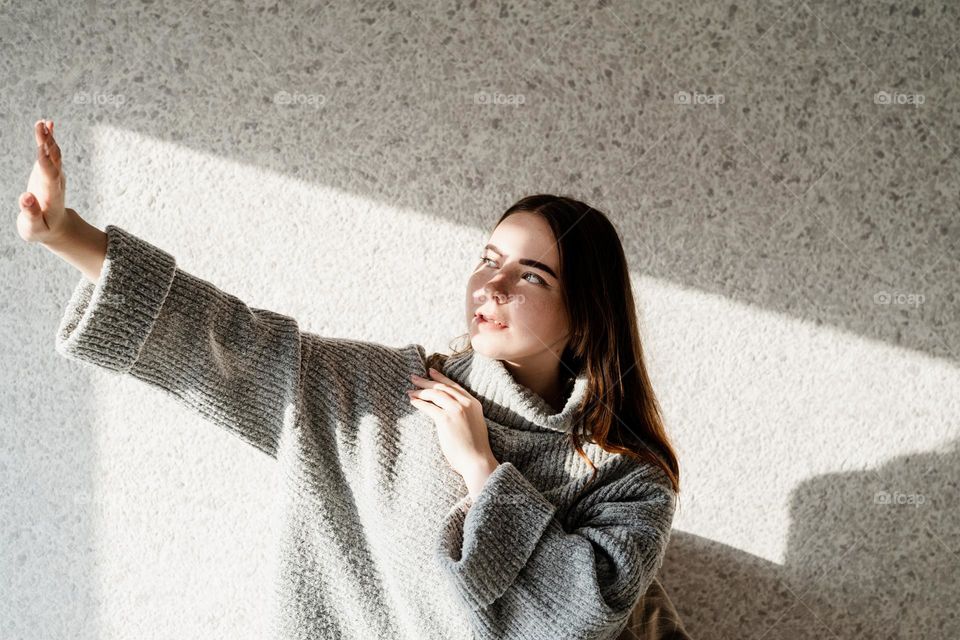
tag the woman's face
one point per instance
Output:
(527, 297)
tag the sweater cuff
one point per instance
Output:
(106, 323)
(486, 542)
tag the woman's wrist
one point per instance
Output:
(477, 476)
(80, 244)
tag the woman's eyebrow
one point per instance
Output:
(528, 262)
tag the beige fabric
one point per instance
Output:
(654, 618)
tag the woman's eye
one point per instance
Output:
(486, 261)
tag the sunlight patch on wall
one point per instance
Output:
(758, 402)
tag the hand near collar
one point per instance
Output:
(461, 429)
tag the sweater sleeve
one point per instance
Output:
(236, 366)
(522, 574)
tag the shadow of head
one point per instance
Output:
(870, 554)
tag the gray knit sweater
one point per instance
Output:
(380, 537)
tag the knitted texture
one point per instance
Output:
(380, 538)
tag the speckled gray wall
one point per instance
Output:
(784, 176)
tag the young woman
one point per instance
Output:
(521, 487)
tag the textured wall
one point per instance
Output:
(784, 175)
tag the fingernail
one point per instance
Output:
(28, 200)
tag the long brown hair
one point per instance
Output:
(620, 413)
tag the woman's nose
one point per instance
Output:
(496, 291)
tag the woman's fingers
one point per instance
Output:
(439, 397)
(437, 379)
(46, 162)
(31, 224)
(433, 373)
(48, 153)
(47, 147)
(29, 204)
(40, 132)
(433, 411)
(53, 151)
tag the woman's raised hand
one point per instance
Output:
(43, 217)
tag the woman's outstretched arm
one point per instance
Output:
(239, 367)
(135, 311)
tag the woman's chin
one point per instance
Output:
(492, 346)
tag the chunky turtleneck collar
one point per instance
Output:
(507, 402)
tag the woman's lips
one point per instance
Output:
(487, 325)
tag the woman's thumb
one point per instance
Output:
(29, 204)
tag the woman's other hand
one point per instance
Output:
(43, 217)
(461, 428)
